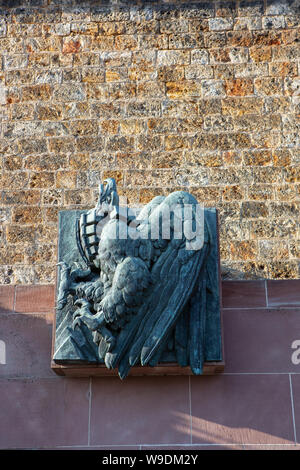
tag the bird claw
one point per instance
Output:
(76, 322)
(95, 322)
(88, 320)
(91, 321)
(111, 343)
(84, 315)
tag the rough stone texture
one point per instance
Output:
(201, 96)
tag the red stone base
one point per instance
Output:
(253, 404)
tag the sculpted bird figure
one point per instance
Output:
(143, 287)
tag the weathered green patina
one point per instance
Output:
(132, 291)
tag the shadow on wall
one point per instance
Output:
(25, 343)
(249, 409)
(224, 410)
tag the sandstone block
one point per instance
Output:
(89, 28)
(19, 234)
(101, 13)
(184, 89)
(273, 22)
(244, 250)
(49, 112)
(66, 179)
(19, 77)
(180, 108)
(283, 269)
(198, 10)
(253, 209)
(251, 8)
(152, 41)
(242, 105)
(36, 92)
(224, 71)
(261, 192)
(24, 111)
(169, 58)
(257, 157)
(194, 72)
(278, 8)
(110, 126)
(90, 144)
(170, 73)
(15, 61)
(27, 196)
(220, 24)
(186, 41)
(260, 53)
(43, 179)
(144, 108)
(199, 56)
(125, 42)
(25, 215)
(151, 89)
(239, 87)
(69, 92)
(283, 69)
(174, 26)
(268, 86)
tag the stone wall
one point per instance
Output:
(196, 96)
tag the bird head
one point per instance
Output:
(108, 194)
(64, 266)
(107, 191)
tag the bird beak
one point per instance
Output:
(82, 303)
(104, 195)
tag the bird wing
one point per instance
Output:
(175, 275)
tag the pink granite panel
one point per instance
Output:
(27, 341)
(260, 340)
(99, 448)
(140, 410)
(7, 294)
(188, 448)
(245, 294)
(42, 413)
(283, 292)
(242, 409)
(273, 447)
(295, 381)
(34, 298)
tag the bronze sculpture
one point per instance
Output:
(139, 291)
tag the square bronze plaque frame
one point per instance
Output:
(87, 369)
